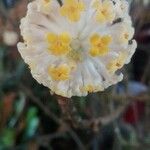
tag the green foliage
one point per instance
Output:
(32, 122)
(7, 138)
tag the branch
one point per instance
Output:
(34, 99)
(102, 121)
(51, 115)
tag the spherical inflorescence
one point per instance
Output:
(79, 46)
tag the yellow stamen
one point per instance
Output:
(99, 45)
(117, 63)
(91, 88)
(87, 88)
(59, 73)
(59, 44)
(72, 9)
(125, 37)
(45, 6)
(104, 11)
(46, 3)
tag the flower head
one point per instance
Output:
(77, 47)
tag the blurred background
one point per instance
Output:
(32, 119)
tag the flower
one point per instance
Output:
(10, 38)
(72, 9)
(59, 73)
(59, 44)
(100, 45)
(104, 11)
(76, 48)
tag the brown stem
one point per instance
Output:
(69, 111)
(64, 104)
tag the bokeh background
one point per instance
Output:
(33, 119)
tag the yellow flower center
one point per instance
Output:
(58, 44)
(99, 45)
(104, 11)
(72, 9)
(125, 37)
(117, 63)
(59, 73)
(89, 88)
(46, 4)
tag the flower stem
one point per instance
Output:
(65, 106)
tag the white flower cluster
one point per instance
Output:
(76, 47)
(10, 38)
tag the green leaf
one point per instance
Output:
(7, 138)
(32, 122)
